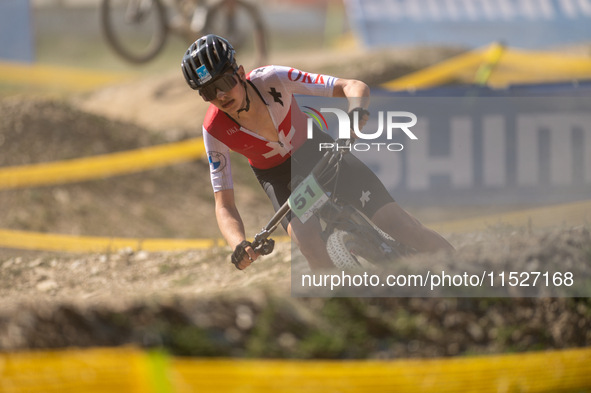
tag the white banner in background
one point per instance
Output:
(522, 23)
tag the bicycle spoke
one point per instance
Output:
(135, 29)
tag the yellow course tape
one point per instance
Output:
(73, 371)
(128, 370)
(54, 242)
(550, 62)
(100, 166)
(62, 78)
(491, 59)
(533, 372)
(510, 66)
(23, 240)
(437, 74)
(534, 67)
(576, 213)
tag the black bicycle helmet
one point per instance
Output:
(206, 59)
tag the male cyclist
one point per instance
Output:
(256, 115)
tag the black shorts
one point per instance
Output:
(356, 183)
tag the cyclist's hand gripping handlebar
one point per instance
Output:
(239, 253)
(361, 114)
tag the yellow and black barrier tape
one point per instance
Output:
(97, 167)
(130, 370)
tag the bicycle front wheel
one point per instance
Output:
(349, 251)
(242, 25)
(135, 29)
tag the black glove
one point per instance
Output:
(361, 112)
(239, 252)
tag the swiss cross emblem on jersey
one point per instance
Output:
(283, 146)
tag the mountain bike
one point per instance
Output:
(352, 240)
(137, 30)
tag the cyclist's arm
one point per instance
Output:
(355, 91)
(301, 82)
(220, 168)
(230, 223)
(227, 215)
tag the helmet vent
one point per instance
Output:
(211, 51)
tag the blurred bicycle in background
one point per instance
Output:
(137, 29)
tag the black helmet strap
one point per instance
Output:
(247, 107)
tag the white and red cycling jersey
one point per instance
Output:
(276, 85)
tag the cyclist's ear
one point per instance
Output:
(241, 73)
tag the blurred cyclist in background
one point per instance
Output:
(256, 115)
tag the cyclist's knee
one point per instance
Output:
(392, 217)
(403, 227)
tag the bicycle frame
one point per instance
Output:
(336, 215)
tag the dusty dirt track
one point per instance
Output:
(196, 303)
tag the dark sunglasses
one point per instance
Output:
(225, 83)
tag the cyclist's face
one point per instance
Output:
(232, 100)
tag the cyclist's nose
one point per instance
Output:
(220, 94)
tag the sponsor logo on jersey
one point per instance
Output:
(295, 75)
(217, 161)
(233, 130)
(276, 95)
(203, 74)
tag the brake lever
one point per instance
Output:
(265, 247)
